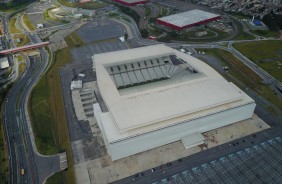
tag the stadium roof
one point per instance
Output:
(188, 17)
(193, 90)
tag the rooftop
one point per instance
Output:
(141, 108)
(188, 17)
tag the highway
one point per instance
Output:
(19, 137)
(18, 130)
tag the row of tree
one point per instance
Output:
(273, 21)
(14, 4)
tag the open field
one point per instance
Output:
(266, 54)
(147, 10)
(183, 36)
(22, 67)
(266, 33)
(28, 23)
(42, 122)
(244, 36)
(13, 28)
(56, 178)
(10, 7)
(48, 116)
(73, 40)
(245, 76)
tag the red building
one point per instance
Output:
(187, 19)
(131, 2)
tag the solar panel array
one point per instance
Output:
(142, 72)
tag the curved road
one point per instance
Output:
(18, 130)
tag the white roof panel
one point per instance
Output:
(163, 100)
(188, 17)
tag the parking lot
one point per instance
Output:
(100, 29)
(257, 164)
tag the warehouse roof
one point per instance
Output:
(148, 103)
(188, 17)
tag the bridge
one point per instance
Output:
(26, 47)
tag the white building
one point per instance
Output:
(39, 26)
(4, 63)
(156, 95)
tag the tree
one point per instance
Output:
(270, 22)
(144, 33)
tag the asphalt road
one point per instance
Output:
(17, 131)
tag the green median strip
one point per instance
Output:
(28, 23)
(247, 77)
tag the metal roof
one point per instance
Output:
(188, 17)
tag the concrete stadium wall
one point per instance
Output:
(167, 24)
(174, 133)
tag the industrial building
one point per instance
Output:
(187, 19)
(155, 95)
(131, 2)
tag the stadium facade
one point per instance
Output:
(131, 2)
(187, 19)
(155, 95)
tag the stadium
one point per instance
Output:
(131, 2)
(155, 95)
(187, 19)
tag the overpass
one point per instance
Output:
(26, 47)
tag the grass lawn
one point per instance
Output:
(266, 54)
(266, 33)
(28, 23)
(147, 10)
(57, 110)
(24, 39)
(184, 37)
(48, 116)
(244, 74)
(13, 28)
(10, 7)
(57, 178)
(244, 36)
(154, 30)
(22, 67)
(73, 40)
